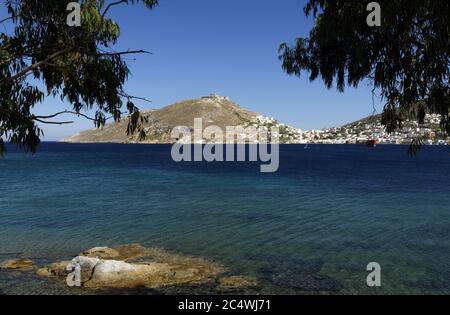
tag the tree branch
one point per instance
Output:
(39, 118)
(6, 19)
(62, 52)
(124, 53)
(111, 5)
(62, 113)
(34, 66)
(123, 94)
(53, 122)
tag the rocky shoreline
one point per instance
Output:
(134, 267)
(138, 270)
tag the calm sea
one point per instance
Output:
(312, 227)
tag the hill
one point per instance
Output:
(222, 112)
(370, 128)
(213, 109)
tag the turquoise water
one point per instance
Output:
(310, 228)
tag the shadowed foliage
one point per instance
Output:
(407, 59)
(41, 56)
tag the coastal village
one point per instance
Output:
(368, 130)
(222, 112)
(363, 131)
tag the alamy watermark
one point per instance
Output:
(74, 17)
(374, 18)
(374, 277)
(74, 277)
(234, 144)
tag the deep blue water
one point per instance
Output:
(311, 227)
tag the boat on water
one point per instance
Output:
(372, 143)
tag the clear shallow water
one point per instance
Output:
(312, 227)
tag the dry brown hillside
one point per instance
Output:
(213, 109)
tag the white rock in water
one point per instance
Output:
(114, 266)
(160, 268)
(85, 262)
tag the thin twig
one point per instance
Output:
(123, 94)
(111, 5)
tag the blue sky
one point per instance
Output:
(227, 47)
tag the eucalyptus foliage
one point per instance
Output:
(42, 56)
(407, 58)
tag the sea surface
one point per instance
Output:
(311, 228)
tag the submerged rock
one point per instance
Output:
(57, 269)
(153, 268)
(18, 264)
(101, 253)
(300, 275)
(122, 252)
(308, 283)
(236, 284)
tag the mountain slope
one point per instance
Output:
(214, 110)
(222, 112)
(371, 128)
